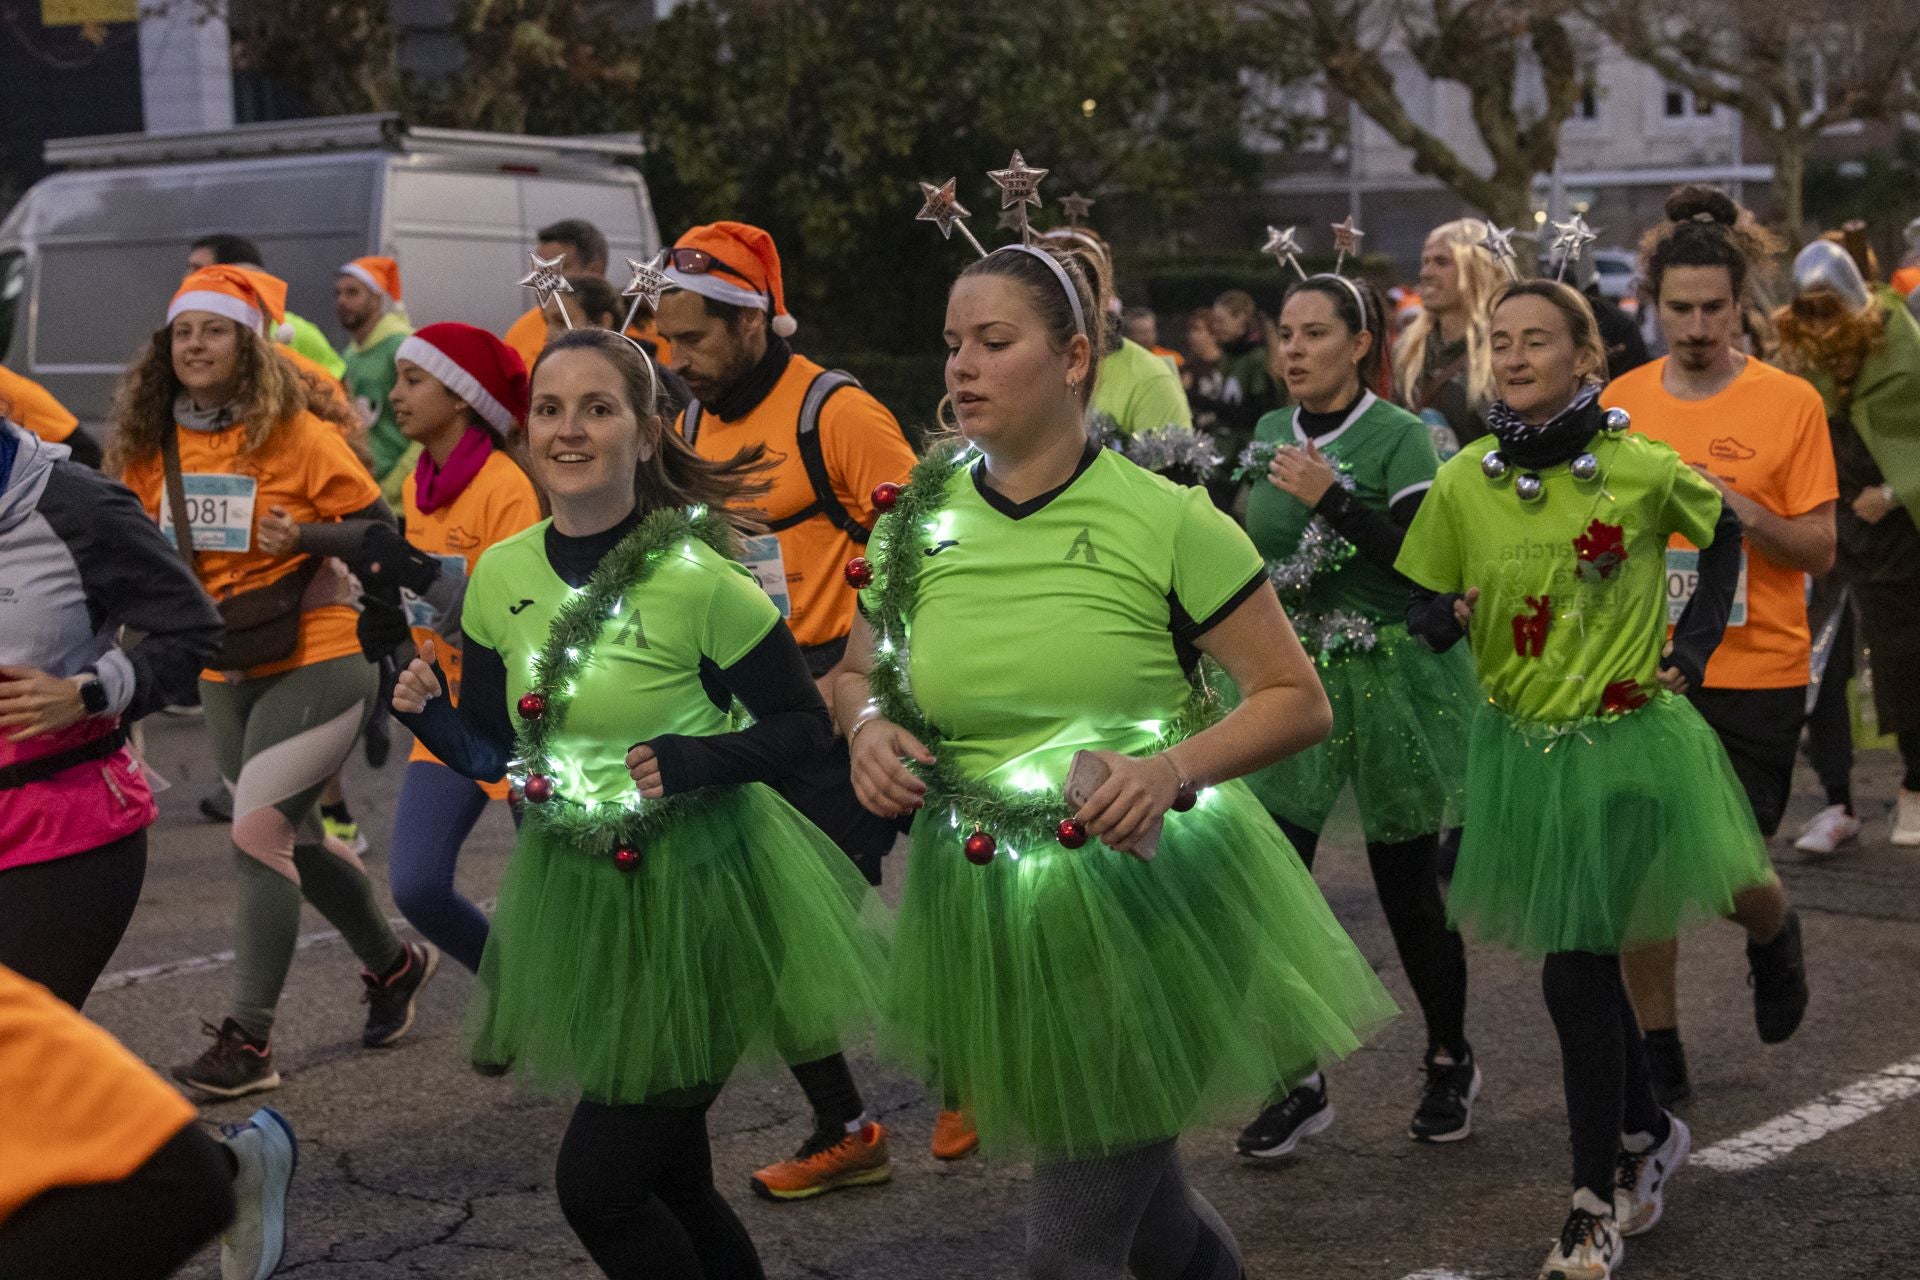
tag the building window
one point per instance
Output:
(1677, 103)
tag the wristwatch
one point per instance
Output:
(93, 695)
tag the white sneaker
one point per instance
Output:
(1589, 1247)
(1906, 819)
(265, 1150)
(1827, 830)
(1641, 1180)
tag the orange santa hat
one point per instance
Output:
(244, 295)
(738, 266)
(382, 275)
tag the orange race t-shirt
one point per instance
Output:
(497, 503)
(862, 445)
(1766, 436)
(76, 1109)
(304, 468)
(33, 407)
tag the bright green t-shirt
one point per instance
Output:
(1139, 391)
(1573, 593)
(313, 344)
(1060, 624)
(1388, 455)
(643, 678)
(369, 377)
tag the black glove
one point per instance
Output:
(388, 562)
(382, 627)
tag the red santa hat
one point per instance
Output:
(382, 275)
(244, 295)
(734, 263)
(476, 366)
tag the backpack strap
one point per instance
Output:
(813, 458)
(690, 422)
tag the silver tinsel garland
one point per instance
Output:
(1336, 633)
(1174, 451)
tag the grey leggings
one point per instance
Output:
(277, 740)
(1097, 1219)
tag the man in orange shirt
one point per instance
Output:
(1759, 435)
(831, 444)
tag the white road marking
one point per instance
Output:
(1441, 1273)
(1824, 1115)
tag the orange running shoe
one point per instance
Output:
(954, 1137)
(825, 1164)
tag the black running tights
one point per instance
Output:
(142, 1227)
(61, 920)
(636, 1185)
(1603, 1063)
(1406, 875)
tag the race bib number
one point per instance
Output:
(1683, 578)
(219, 510)
(422, 614)
(762, 556)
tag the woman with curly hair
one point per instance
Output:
(215, 434)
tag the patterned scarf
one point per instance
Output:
(1544, 444)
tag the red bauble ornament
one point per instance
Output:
(532, 706)
(980, 848)
(626, 858)
(1072, 833)
(885, 494)
(539, 788)
(859, 573)
(1183, 801)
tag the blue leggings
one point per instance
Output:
(437, 810)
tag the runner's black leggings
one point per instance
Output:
(60, 920)
(1603, 1063)
(1406, 875)
(636, 1185)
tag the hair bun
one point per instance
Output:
(1698, 203)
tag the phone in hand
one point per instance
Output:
(1084, 777)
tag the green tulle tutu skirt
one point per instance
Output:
(1080, 1002)
(1401, 714)
(1601, 836)
(745, 936)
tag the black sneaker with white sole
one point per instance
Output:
(1276, 1131)
(1445, 1113)
(1778, 973)
(389, 1000)
(234, 1065)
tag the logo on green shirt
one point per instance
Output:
(1083, 544)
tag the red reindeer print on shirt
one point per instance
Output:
(1530, 629)
(1600, 550)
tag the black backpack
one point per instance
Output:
(825, 501)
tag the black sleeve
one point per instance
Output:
(1704, 620)
(1430, 617)
(343, 537)
(474, 739)
(790, 726)
(83, 450)
(134, 577)
(1377, 536)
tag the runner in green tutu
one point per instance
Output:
(1091, 980)
(665, 915)
(1601, 811)
(1336, 481)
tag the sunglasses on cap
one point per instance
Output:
(698, 262)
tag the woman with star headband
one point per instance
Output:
(1344, 473)
(1601, 812)
(665, 915)
(1090, 975)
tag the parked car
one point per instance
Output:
(1617, 273)
(89, 256)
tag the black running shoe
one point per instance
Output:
(233, 1066)
(377, 741)
(217, 806)
(1777, 972)
(1276, 1131)
(1445, 1113)
(389, 1000)
(1667, 1070)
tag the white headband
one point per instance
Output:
(1060, 274)
(1359, 302)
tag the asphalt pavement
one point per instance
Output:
(412, 1165)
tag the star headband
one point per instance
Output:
(1019, 187)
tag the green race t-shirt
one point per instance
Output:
(1388, 454)
(1573, 586)
(1048, 627)
(643, 678)
(1139, 391)
(369, 378)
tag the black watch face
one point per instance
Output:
(93, 696)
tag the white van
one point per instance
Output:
(90, 256)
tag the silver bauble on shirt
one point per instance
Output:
(1616, 420)
(1529, 487)
(1584, 467)
(1493, 466)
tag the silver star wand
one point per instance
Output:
(1499, 243)
(546, 281)
(1346, 240)
(1019, 187)
(1076, 207)
(1284, 248)
(1570, 240)
(946, 212)
(649, 282)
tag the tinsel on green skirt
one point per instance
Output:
(1080, 1001)
(1600, 836)
(745, 936)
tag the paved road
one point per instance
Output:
(414, 1166)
